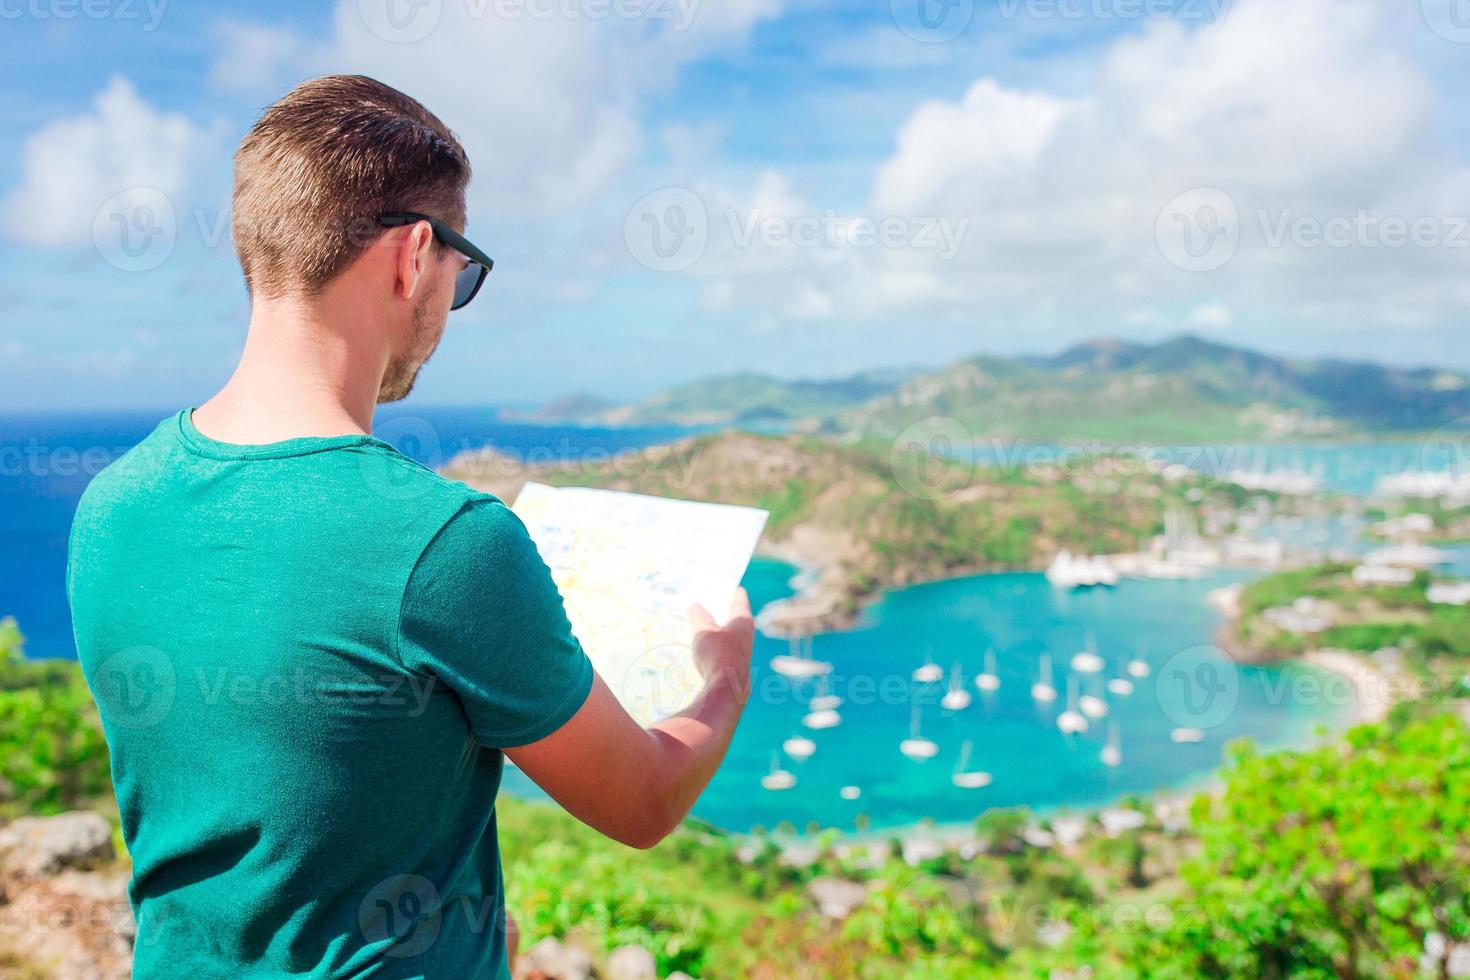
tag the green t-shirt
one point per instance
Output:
(307, 656)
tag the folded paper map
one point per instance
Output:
(629, 567)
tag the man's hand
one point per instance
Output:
(636, 784)
(722, 653)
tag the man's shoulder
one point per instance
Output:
(144, 463)
(402, 483)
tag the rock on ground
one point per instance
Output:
(56, 919)
(836, 897)
(553, 960)
(34, 847)
(631, 963)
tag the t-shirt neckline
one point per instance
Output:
(201, 444)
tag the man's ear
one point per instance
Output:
(413, 258)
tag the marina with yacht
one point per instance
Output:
(1052, 688)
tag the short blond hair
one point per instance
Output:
(318, 168)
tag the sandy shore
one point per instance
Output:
(1373, 691)
(823, 601)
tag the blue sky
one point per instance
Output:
(847, 186)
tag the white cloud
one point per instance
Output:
(990, 135)
(1306, 113)
(548, 105)
(255, 57)
(71, 167)
(1210, 316)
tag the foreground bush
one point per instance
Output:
(52, 754)
(1338, 861)
(1341, 861)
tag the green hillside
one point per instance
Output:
(1182, 390)
(874, 515)
(1000, 398)
(1185, 389)
(736, 399)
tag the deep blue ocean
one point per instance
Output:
(46, 462)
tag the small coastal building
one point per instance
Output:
(1305, 615)
(1450, 593)
(1409, 555)
(1369, 575)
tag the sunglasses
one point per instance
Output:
(469, 280)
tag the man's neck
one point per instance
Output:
(303, 373)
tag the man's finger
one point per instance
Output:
(700, 618)
(739, 606)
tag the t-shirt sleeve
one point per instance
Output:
(482, 615)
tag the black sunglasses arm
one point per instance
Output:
(443, 232)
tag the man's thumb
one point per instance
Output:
(700, 618)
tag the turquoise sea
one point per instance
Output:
(1019, 616)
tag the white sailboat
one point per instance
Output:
(822, 719)
(1043, 690)
(777, 779)
(1069, 571)
(824, 701)
(1120, 685)
(916, 747)
(929, 673)
(1187, 736)
(1087, 661)
(799, 747)
(968, 779)
(988, 680)
(1071, 721)
(1066, 572)
(956, 698)
(1092, 705)
(1138, 667)
(1112, 753)
(799, 662)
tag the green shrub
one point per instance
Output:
(52, 754)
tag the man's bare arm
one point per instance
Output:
(635, 784)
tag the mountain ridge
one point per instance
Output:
(1184, 388)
